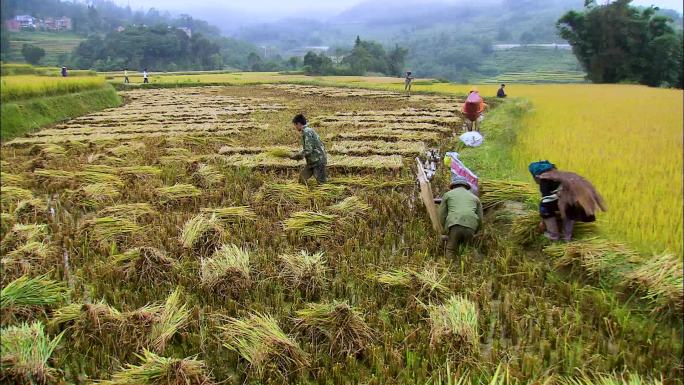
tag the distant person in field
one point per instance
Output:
(407, 82)
(565, 196)
(313, 151)
(64, 72)
(126, 75)
(460, 213)
(145, 76)
(501, 93)
(473, 109)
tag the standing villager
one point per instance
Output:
(313, 151)
(126, 75)
(565, 195)
(461, 214)
(64, 72)
(145, 76)
(473, 109)
(501, 93)
(407, 82)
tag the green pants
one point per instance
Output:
(458, 235)
(316, 170)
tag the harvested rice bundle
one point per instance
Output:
(30, 210)
(94, 177)
(8, 179)
(310, 224)
(453, 325)
(340, 325)
(597, 257)
(51, 151)
(10, 195)
(378, 147)
(525, 228)
(369, 182)
(269, 351)
(100, 168)
(146, 265)
(24, 297)
(376, 162)
(6, 223)
(231, 214)
(299, 192)
(55, 175)
(495, 192)
(177, 192)
(207, 176)
(173, 319)
(110, 229)
(351, 206)
(304, 272)
(660, 277)
(130, 210)
(202, 233)
(157, 370)
(26, 350)
(139, 171)
(96, 194)
(20, 234)
(425, 284)
(31, 250)
(226, 273)
(630, 379)
(178, 151)
(127, 149)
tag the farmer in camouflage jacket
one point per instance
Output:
(313, 151)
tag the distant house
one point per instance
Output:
(120, 29)
(187, 31)
(26, 21)
(12, 25)
(64, 23)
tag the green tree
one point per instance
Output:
(254, 62)
(4, 42)
(32, 54)
(617, 42)
(396, 59)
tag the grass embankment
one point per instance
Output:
(21, 116)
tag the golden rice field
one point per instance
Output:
(17, 87)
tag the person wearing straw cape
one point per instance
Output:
(460, 213)
(313, 151)
(567, 195)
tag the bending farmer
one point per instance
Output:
(460, 213)
(565, 195)
(312, 150)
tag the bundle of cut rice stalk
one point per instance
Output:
(495, 192)
(310, 224)
(130, 210)
(426, 284)
(147, 265)
(269, 351)
(660, 277)
(20, 234)
(31, 251)
(26, 350)
(87, 322)
(304, 272)
(453, 325)
(10, 195)
(623, 379)
(370, 182)
(54, 175)
(51, 151)
(6, 224)
(351, 206)
(207, 176)
(96, 194)
(96, 177)
(202, 233)
(525, 228)
(126, 149)
(607, 260)
(226, 273)
(231, 214)
(177, 192)
(30, 209)
(139, 171)
(173, 319)
(24, 295)
(110, 229)
(157, 370)
(8, 179)
(337, 323)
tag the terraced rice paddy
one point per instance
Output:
(140, 249)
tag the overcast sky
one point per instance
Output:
(290, 7)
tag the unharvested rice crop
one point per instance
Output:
(29, 86)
